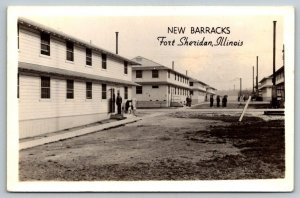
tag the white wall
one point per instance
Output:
(29, 52)
(150, 93)
(38, 116)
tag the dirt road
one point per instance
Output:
(176, 146)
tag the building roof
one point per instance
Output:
(265, 78)
(59, 34)
(195, 80)
(281, 69)
(209, 87)
(147, 64)
(40, 69)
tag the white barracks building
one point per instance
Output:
(160, 85)
(64, 82)
(198, 91)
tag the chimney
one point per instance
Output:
(117, 42)
(172, 65)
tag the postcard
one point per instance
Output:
(150, 99)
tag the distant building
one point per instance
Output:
(279, 81)
(265, 88)
(161, 86)
(64, 82)
(210, 91)
(197, 91)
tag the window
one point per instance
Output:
(168, 88)
(155, 87)
(88, 56)
(126, 93)
(70, 89)
(70, 51)
(191, 84)
(45, 87)
(89, 90)
(104, 58)
(139, 74)
(45, 43)
(155, 74)
(139, 90)
(169, 73)
(125, 67)
(175, 76)
(191, 92)
(104, 91)
(18, 89)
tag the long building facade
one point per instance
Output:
(160, 86)
(64, 82)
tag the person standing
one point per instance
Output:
(224, 101)
(211, 100)
(218, 101)
(187, 101)
(119, 102)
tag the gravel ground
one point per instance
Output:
(176, 146)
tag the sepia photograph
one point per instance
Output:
(150, 98)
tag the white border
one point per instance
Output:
(277, 185)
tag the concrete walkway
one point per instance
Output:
(53, 137)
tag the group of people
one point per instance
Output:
(224, 101)
(130, 105)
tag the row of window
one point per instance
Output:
(45, 50)
(181, 78)
(176, 91)
(46, 89)
(139, 74)
(155, 74)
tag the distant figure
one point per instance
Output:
(239, 98)
(119, 103)
(224, 101)
(218, 101)
(130, 108)
(211, 100)
(244, 98)
(187, 101)
(133, 106)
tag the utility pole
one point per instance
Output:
(240, 86)
(117, 43)
(253, 80)
(274, 90)
(283, 55)
(256, 76)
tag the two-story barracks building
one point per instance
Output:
(198, 91)
(64, 82)
(160, 86)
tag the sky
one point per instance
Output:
(219, 66)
